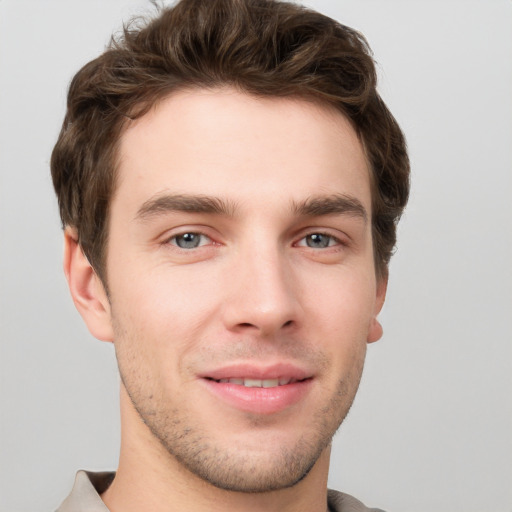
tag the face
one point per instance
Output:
(242, 290)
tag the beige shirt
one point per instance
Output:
(85, 496)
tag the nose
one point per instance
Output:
(262, 294)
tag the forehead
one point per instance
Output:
(226, 143)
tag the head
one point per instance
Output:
(262, 47)
(234, 181)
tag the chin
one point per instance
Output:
(253, 472)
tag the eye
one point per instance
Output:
(189, 240)
(318, 241)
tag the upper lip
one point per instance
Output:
(258, 371)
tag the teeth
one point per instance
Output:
(255, 383)
(259, 383)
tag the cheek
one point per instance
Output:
(158, 320)
(161, 296)
(346, 301)
(339, 320)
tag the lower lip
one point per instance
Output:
(259, 400)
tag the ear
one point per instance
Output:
(375, 329)
(86, 288)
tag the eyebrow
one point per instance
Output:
(312, 207)
(184, 203)
(331, 205)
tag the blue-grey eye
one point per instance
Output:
(319, 240)
(188, 240)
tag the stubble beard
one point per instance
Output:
(225, 466)
(232, 469)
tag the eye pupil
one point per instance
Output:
(317, 240)
(188, 240)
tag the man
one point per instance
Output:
(229, 182)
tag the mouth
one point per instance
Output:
(259, 390)
(258, 383)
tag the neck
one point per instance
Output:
(149, 478)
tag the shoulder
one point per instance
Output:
(85, 495)
(341, 502)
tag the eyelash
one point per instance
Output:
(331, 238)
(174, 239)
(303, 242)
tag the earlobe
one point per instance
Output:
(375, 330)
(86, 288)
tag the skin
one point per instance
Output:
(262, 279)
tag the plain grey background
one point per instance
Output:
(431, 428)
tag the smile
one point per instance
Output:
(258, 383)
(259, 390)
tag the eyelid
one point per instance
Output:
(341, 238)
(172, 239)
(170, 236)
(336, 239)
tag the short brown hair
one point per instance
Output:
(263, 47)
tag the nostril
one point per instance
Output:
(246, 325)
